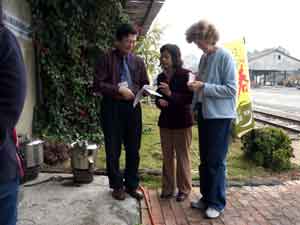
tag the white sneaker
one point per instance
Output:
(213, 213)
(198, 205)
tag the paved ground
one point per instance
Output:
(281, 100)
(261, 205)
(278, 205)
(278, 99)
(61, 203)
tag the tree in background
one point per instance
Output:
(148, 47)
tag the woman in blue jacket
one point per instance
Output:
(12, 97)
(214, 97)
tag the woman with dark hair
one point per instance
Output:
(12, 97)
(175, 123)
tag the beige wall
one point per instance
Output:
(19, 9)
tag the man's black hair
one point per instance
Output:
(124, 30)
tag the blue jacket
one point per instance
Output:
(218, 95)
(12, 97)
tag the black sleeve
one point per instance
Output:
(102, 84)
(12, 82)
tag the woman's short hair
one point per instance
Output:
(174, 51)
(202, 30)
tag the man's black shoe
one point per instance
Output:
(118, 194)
(135, 194)
(166, 196)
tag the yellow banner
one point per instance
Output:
(245, 120)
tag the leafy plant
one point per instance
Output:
(68, 36)
(55, 153)
(268, 147)
(148, 47)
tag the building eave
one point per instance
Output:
(143, 12)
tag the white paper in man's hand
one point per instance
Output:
(151, 91)
(146, 88)
(138, 97)
(123, 84)
(192, 77)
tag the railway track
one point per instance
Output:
(277, 120)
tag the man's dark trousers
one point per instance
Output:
(121, 123)
(8, 202)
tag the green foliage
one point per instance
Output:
(268, 147)
(69, 35)
(148, 47)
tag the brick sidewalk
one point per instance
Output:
(264, 205)
(260, 205)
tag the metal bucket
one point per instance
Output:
(83, 161)
(34, 153)
(83, 156)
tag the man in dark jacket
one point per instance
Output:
(119, 76)
(12, 97)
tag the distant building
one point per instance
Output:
(272, 66)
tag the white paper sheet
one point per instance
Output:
(145, 88)
(192, 77)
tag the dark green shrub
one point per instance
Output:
(268, 147)
(281, 159)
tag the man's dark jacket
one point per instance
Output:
(107, 74)
(12, 97)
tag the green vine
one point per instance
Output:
(69, 35)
